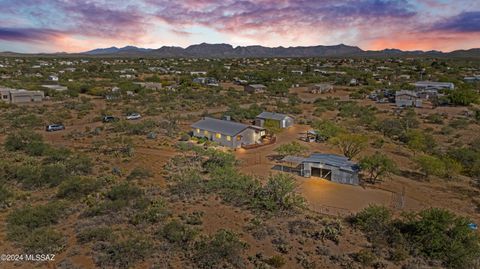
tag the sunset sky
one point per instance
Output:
(76, 26)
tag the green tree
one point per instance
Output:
(430, 165)
(377, 166)
(326, 129)
(350, 144)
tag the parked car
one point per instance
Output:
(133, 116)
(109, 119)
(55, 127)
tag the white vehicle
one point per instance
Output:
(133, 116)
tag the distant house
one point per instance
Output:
(198, 73)
(283, 121)
(206, 81)
(20, 96)
(297, 72)
(255, 88)
(405, 98)
(228, 133)
(150, 85)
(53, 78)
(475, 78)
(353, 82)
(431, 85)
(331, 167)
(320, 88)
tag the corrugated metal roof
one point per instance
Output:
(272, 116)
(293, 159)
(220, 126)
(333, 160)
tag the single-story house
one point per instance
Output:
(332, 167)
(321, 88)
(206, 81)
(20, 96)
(228, 133)
(284, 121)
(405, 98)
(255, 88)
(432, 85)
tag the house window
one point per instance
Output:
(218, 135)
(5, 97)
(198, 131)
(239, 137)
(229, 138)
(205, 132)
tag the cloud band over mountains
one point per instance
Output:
(70, 25)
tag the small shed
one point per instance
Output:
(284, 121)
(331, 167)
(255, 88)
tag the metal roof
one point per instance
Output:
(272, 116)
(224, 127)
(341, 162)
(257, 86)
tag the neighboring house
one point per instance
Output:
(405, 98)
(475, 78)
(332, 167)
(20, 96)
(431, 85)
(150, 85)
(206, 81)
(55, 87)
(228, 133)
(198, 73)
(255, 88)
(297, 72)
(320, 88)
(283, 121)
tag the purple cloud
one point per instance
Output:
(465, 22)
(28, 34)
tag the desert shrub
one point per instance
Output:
(218, 159)
(139, 173)
(435, 118)
(434, 233)
(232, 186)
(366, 257)
(459, 123)
(154, 212)
(77, 187)
(374, 221)
(430, 165)
(5, 195)
(22, 222)
(122, 253)
(53, 174)
(392, 128)
(29, 175)
(124, 191)
(44, 240)
(178, 233)
(332, 231)
(418, 141)
(96, 234)
(440, 234)
(79, 164)
(276, 261)
(293, 148)
(223, 249)
(188, 184)
(118, 197)
(25, 140)
(279, 194)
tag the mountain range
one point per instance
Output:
(205, 50)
